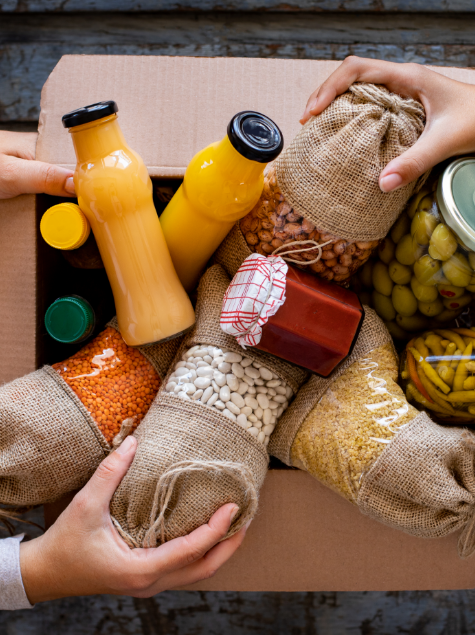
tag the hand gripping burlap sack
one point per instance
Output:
(321, 206)
(203, 442)
(356, 433)
(58, 423)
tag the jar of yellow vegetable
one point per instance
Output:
(438, 372)
(423, 274)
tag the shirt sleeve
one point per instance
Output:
(12, 591)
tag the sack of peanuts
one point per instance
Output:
(58, 423)
(321, 207)
(203, 442)
(356, 433)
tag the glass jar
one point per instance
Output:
(423, 273)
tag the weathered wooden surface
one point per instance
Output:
(430, 6)
(31, 45)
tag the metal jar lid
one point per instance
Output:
(456, 199)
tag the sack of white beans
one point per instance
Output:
(203, 442)
(321, 207)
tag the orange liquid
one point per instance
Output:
(220, 187)
(115, 193)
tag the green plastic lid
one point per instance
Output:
(69, 319)
(456, 199)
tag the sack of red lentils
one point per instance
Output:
(203, 442)
(356, 433)
(58, 423)
(321, 207)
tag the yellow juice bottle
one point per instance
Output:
(115, 193)
(222, 184)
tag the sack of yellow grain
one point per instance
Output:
(356, 433)
(204, 440)
(321, 207)
(58, 423)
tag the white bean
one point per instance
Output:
(219, 378)
(207, 394)
(254, 431)
(268, 429)
(191, 366)
(216, 388)
(263, 390)
(205, 371)
(265, 373)
(232, 406)
(252, 372)
(170, 387)
(224, 367)
(246, 411)
(266, 441)
(267, 417)
(208, 359)
(232, 357)
(273, 420)
(259, 412)
(288, 392)
(279, 398)
(280, 390)
(217, 353)
(251, 402)
(252, 418)
(191, 351)
(237, 399)
(219, 404)
(224, 394)
(190, 389)
(232, 382)
(279, 412)
(259, 382)
(273, 383)
(261, 437)
(201, 352)
(180, 372)
(242, 420)
(256, 364)
(229, 414)
(218, 360)
(271, 392)
(180, 365)
(246, 362)
(202, 364)
(192, 375)
(252, 390)
(273, 405)
(262, 400)
(242, 390)
(178, 388)
(213, 399)
(183, 395)
(237, 369)
(249, 381)
(197, 394)
(202, 382)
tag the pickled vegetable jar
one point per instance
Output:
(438, 372)
(423, 274)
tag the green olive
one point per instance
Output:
(422, 227)
(447, 315)
(426, 270)
(453, 304)
(404, 301)
(386, 250)
(457, 270)
(407, 251)
(427, 204)
(449, 291)
(365, 273)
(414, 202)
(423, 292)
(400, 274)
(381, 280)
(431, 308)
(383, 306)
(396, 331)
(471, 288)
(400, 227)
(443, 243)
(413, 323)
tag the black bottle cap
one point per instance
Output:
(255, 136)
(89, 113)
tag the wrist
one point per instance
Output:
(36, 571)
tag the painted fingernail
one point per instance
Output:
(125, 446)
(233, 513)
(390, 182)
(69, 185)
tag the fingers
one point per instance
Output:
(22, 176)
(204, 568)
(18, 144)
(105, 480)
(404, 79)
(184, 551)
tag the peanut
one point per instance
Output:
(251, 239)
(339, 247)
(307, 226)
(293, 217)
(328, 255)
(265, 236)
(292, 229)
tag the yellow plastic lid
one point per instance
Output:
(64, 226)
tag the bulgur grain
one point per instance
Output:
(353, 422)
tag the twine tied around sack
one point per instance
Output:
(314, 244)
(125, 430)
(392, 102)
(167, 486)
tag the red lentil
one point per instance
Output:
(114, 381)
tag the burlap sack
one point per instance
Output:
(329, 176)
(191, 459)
(49, 442)
(422, 482)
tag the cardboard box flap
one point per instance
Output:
(172, 107)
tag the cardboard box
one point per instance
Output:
(305, 537)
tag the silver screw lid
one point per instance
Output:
(456, 199)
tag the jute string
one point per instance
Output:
(391, 101)
(314, 244)
(168, 482)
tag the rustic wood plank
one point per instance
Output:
(285, 6)
(31, 45)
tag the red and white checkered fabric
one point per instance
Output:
(256, 292)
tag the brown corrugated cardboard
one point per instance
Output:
(305, 537)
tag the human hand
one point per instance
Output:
(21, 174)
(450, 125)
(83, 554)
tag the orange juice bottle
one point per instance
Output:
(222, 184)
(115, 193)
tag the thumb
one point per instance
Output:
(36, 177)
(413, 163)
(105, 480)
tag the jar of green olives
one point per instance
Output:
(423, 273)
